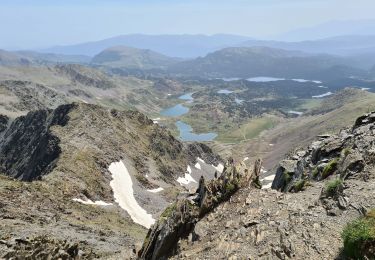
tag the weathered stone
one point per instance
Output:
(352, 163)
(342, 202)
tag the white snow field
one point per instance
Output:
(90, 202)
(122, 187)
(187, 179)
(156, 190)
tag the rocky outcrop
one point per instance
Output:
(204, 152)
(31, 96)
(3, 122)
(44, 247)
(179, 219)
(28, 148)
(344, 155)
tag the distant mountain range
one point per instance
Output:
(185, 46)
(360, 47)
(244, 62)
(241, 62)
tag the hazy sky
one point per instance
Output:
(42, 23)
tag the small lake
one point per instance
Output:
(229, 79)
(270, 79)
(225, 91)
(177, 110)
(187, 96)
(187, 135)
(264, 79)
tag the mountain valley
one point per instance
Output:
(209, 147)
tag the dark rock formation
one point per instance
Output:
(28, 148)
(204, 152)
(178, 220)
(3, 122)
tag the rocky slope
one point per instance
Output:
(331, 184)
(75, 193)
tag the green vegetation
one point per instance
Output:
(287, 176)
(300, 185)
(249, 130)
(168, 211)
(309, 104)
(315, 173)
(330, 168)
(359, 237)
(333, 187)
(230, 187)
(346, 151)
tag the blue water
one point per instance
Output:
(224, 91)
(229, 79)
(177, 110)
(264, 79)
(187, 96)
(186, 134)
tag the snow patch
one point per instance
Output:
(199, 159)
(219, 167)
(198, 166)
(185, 180)
(295, 112)
(268, 186)
(156, 190)
(323, 95)
(122, 187)
(245, 159)
(90, 202)
(269, 178)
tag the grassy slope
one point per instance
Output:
(298, 132)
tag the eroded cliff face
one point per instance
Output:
(29, 149)
(4, 120)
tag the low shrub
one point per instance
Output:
(359, 237)
(329, 168)
(334, 187)
(300, 185)
(287, 176)
(315, 173)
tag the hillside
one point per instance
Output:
(70, 183)
(12, 59)
(244, 62)
(327, 206)
(132, 58)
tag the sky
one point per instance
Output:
(30, 24)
